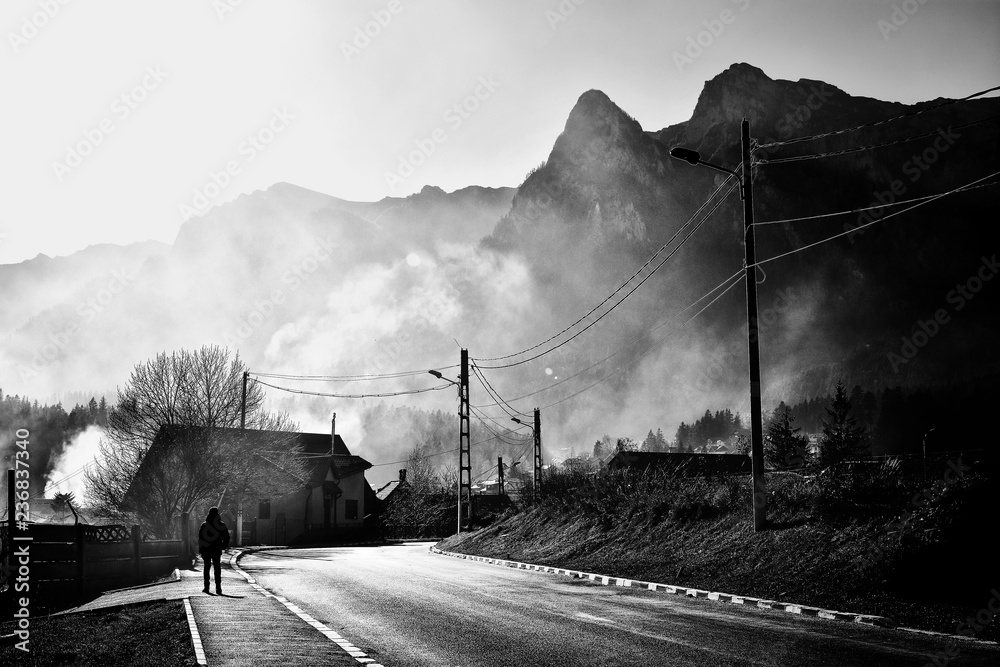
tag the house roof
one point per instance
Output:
(689, 463)
(315, 446)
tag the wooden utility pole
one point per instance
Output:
(243, 404)
(756, 425)
(500, 490)
(239, 495)
(464, 453)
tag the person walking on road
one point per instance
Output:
(213, 539)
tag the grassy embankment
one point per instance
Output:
(852, 542)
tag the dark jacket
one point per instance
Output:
(213, 536)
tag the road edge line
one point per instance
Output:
(345, 645)
(729, 598)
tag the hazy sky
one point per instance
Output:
(117, 113)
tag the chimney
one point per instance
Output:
(333, 434)
(402, 475)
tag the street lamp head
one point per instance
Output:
(686, 154)
(436, 374)
(515, 419)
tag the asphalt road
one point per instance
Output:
(404, 606)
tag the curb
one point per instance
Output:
(175, 576)
(345, 645)
(199, 649)
(804, 610)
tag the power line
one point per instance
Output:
(624, 347)
(813, 156)
(497, 436)
(868, 208)
(345, 378)
(633, 289)
(379, 395)
(733, 283)
(494, 394)
(868, 224)
(428, 456)
(449, 451)
(876, 123)
(620, 288)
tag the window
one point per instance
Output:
(351, 509)
(264, 509)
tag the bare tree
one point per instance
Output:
(186, 389)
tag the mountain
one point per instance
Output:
(304, 283)
(609, 194)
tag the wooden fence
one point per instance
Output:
(68, 562)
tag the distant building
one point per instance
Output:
(688, 464)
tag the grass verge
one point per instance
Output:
(144, 635)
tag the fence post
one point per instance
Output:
(137, 552)
(185, 556)
(80, 556)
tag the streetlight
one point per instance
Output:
(438, 375)
(693, 157)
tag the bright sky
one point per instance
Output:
(116, 113)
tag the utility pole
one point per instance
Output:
(756, 427)
(464, 453)
(500, 490)
(693, 157)
(243, 404)
(537, 481)
(239, 496)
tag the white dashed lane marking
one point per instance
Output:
(344, 644)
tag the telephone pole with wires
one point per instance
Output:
(464, 450)
(537, 481)
(693, 157)
(756, 421)
(500, 480)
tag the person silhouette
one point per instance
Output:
(213, 539)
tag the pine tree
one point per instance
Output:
(783, 446)
(649, 444)
(661, 442)
(842, 438)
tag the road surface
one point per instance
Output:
(404, 606)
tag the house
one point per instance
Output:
(395, 488)
(687, 464)
(331, 502)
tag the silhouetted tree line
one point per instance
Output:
(859, 423)
(710, 428)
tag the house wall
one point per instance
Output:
(287, 519)
(292, 514)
